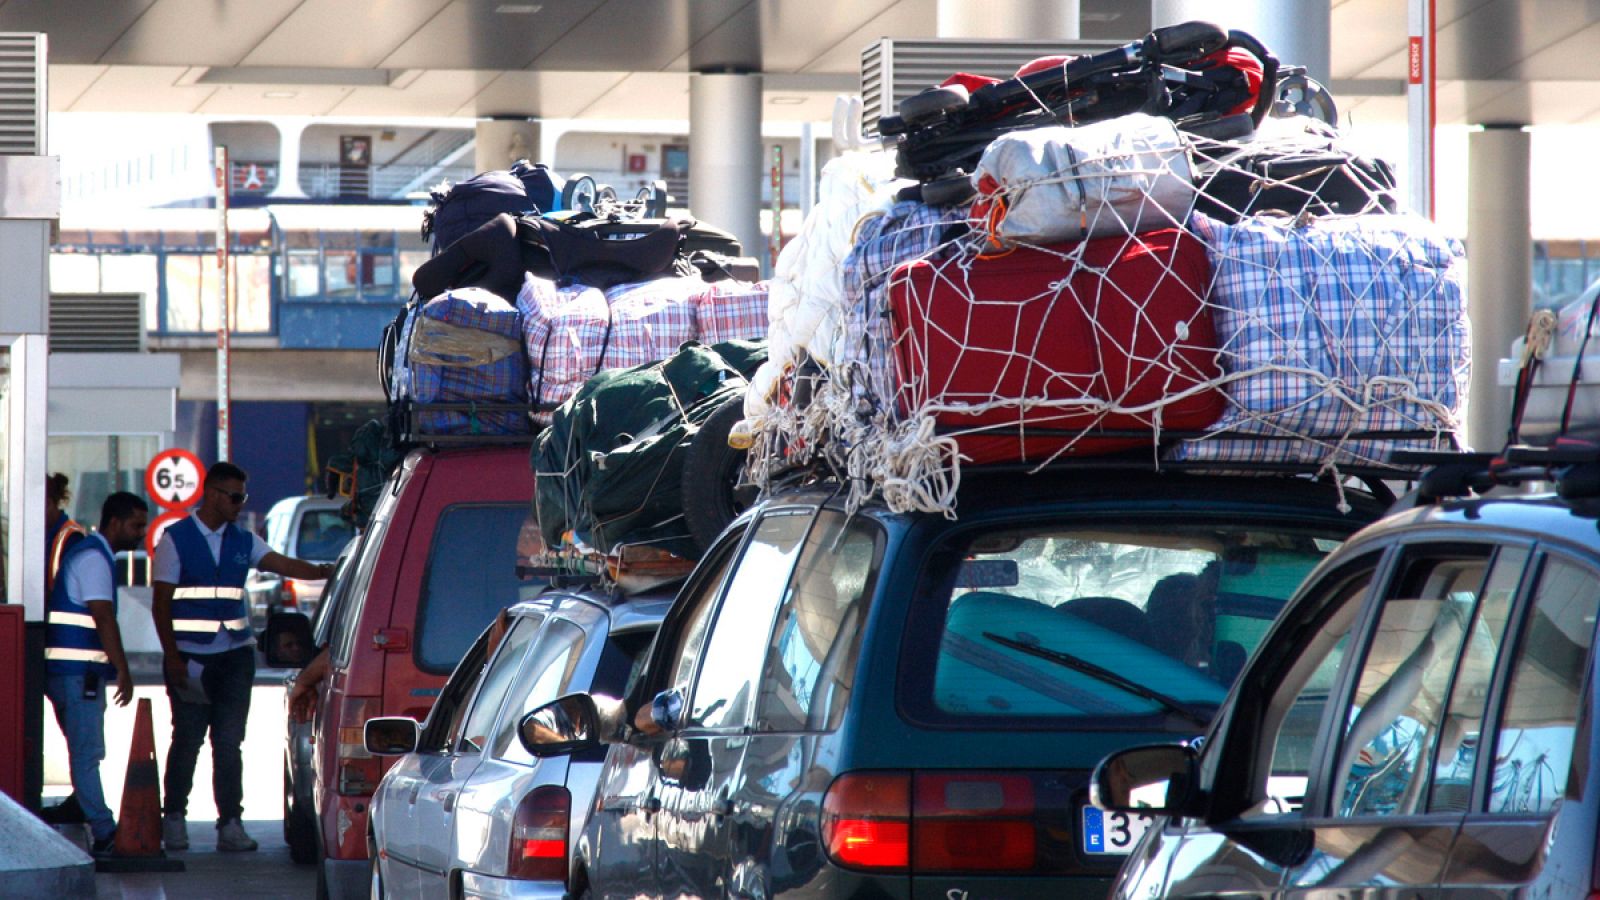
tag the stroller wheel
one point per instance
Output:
(580, 193)
(890, 126)
(948, 190)
(919, 109)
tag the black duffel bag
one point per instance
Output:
(1316, 177)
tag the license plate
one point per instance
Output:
(1112, 833)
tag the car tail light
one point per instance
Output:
(866, 820)
(937, 822)
(294, 591)
(358, 770)
(969, 822)
(539, 835)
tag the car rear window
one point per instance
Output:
(471, 576)
(321, 535)
(1128, 621)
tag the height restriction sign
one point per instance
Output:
(173, 478)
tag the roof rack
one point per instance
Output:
(1573, 466)
(414, 418)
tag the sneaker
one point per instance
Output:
(103, 847)
(232, 839)
(174, 832)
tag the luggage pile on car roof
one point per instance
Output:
(1148, 256)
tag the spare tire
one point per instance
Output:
(712, 470)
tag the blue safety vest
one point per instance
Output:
(210, 597)
(72, 642)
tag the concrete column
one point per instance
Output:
(725, 168)
(1296, 31)
(1499, 269)
(290, 131)
(1008, 19)
(501, 141)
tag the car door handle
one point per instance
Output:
(447, 799)
(652, 806)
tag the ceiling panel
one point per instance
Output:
(549, 94)
(253, 99)
(470, 34)
(826, 24)
(653, 95)
(1490, 41)
(672, 27)
(1575, 57)
(78, 34)
(433, 93)
(147, 89)
(319, 33)
(196, 32)
(67, 84)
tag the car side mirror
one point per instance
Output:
(390, 735)
(1158, 780)
(562, 726)
(288, 643)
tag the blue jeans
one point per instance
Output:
(83, 722)
(227, 679)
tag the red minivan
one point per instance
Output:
(436, 564)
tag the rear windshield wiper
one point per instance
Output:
(1077, 664)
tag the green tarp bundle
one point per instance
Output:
(610, 465)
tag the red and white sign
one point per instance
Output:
(174, 478)
(1414, 60)
(152, 535)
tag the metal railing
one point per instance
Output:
(371, 182)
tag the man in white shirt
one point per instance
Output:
(83, 651)
(208, 649)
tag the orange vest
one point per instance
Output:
(58, 548)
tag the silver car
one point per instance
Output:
(309, 528)
(467, 812)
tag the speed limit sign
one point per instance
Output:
(174, 477)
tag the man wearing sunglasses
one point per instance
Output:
(208, 649)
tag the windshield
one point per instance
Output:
(1141, 621)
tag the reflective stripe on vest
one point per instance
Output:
(207, 593)
(209, 626)
(68, 654)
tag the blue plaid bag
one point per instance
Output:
(465, 346)
(908, 231)
(1333, 330)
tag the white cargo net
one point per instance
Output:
(1116, 288)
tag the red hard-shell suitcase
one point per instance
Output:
(1046, 338)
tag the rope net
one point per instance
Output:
(1116, 288)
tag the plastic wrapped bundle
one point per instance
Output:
(464, 347)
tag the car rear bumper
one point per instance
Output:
(348, 879)
(476, 886)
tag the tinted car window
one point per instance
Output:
(496, 684)
(1177, 609)
(472, 575)
(691, 631)
(1460, 737)
(321, 533)
(1392, 722)
(1309, 679)
(722, 693)
(365, 563)
(450, 710)
(1533, 746)
(546, 675)
(810, 665)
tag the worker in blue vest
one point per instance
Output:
(203, 621)
(83, 651)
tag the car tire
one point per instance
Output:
(711, 472)
(299, 827)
